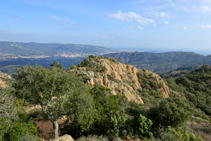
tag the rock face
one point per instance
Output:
(63, 138)
(4, 76)
(120, 78)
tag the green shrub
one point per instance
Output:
(172, 135)
(117, 126)
(74, 66)
(143, 127)
(23, 116)
(19, 130)
(172, 111)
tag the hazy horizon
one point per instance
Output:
(130, 49)
(156, 25)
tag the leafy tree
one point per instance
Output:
(81, 115)
(51, 88)
(107, 105)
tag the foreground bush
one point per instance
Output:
(171, 134)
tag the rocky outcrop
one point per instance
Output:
(4, 76)
(120, 78)
(63, 138)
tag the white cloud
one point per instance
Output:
(64, 21)
(204, 27)
(166, 22)
(206, 9)
(161, 14)
(185, 28)
(139, 27)
(131, 16)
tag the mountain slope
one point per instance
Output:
(120, 78)
(161, 62)
(196, 85)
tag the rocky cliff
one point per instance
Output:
(120, 78)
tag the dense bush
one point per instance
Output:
(19, 130)
(173, 111)
(93, 63)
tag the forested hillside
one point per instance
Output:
(161, 62)
(101, 96)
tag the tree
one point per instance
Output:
(51, 88)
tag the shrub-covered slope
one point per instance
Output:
(161, 62)
(102, 96)
(196, 85)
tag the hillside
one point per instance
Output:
(102, 96)
(196, 85)
(121, 78)
(161, 62)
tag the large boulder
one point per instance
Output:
(63, 138)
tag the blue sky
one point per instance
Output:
(167, 25)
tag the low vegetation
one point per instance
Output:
(94, 113)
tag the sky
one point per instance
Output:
(155, 25)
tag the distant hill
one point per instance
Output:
(41, 50)
(15, 54)
(161, 62)
(182, 71)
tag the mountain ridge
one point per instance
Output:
(20, 49)
(161, 62)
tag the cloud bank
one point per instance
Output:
(130, 17)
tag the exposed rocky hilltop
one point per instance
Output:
(120, 78)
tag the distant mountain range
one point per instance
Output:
(15, 54)
(43, 50)
(161, 62)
